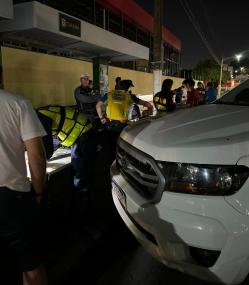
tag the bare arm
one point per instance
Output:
(37, 163)
(146, 104)
(99, 108)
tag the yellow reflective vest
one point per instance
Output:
(160, 102)
(67, 123)
(118, 105)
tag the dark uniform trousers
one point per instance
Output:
(83, 156)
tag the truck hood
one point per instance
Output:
(210, 134)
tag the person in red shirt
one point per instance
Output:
(193, 95)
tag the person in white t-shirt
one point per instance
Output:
(19, 212)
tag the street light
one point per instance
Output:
(238, 57)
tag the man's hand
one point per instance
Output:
(37, 164)
(103, 120)
(99, 108)
(147, 105)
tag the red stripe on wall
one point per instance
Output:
(171, 38)
(139, 16)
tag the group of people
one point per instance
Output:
(24, 130)
(107, 113)
(79, 128)
(207, 94)
(82, 128)
(167, 99)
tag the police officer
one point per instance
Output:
(73, 130)
(86, 99)
(117, 104)
(163, 100)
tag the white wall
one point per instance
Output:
(6, 9)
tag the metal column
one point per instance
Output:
(158, 45)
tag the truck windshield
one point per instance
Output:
(237, 96)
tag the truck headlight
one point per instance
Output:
(203, 179)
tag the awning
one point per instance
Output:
(6, 9)
(40, 25)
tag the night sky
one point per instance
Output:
(225, 25)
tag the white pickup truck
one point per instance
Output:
(180, 183)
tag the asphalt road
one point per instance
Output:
(117, 259)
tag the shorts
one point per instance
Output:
(19, 228)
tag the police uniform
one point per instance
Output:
(73, 130)
(86, 99)
(118, 107)
(164, 102)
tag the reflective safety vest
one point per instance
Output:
(118, 105)
(67, 123)
(160, 103)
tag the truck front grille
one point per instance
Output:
(138, 169)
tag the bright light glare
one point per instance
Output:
(238, 56)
